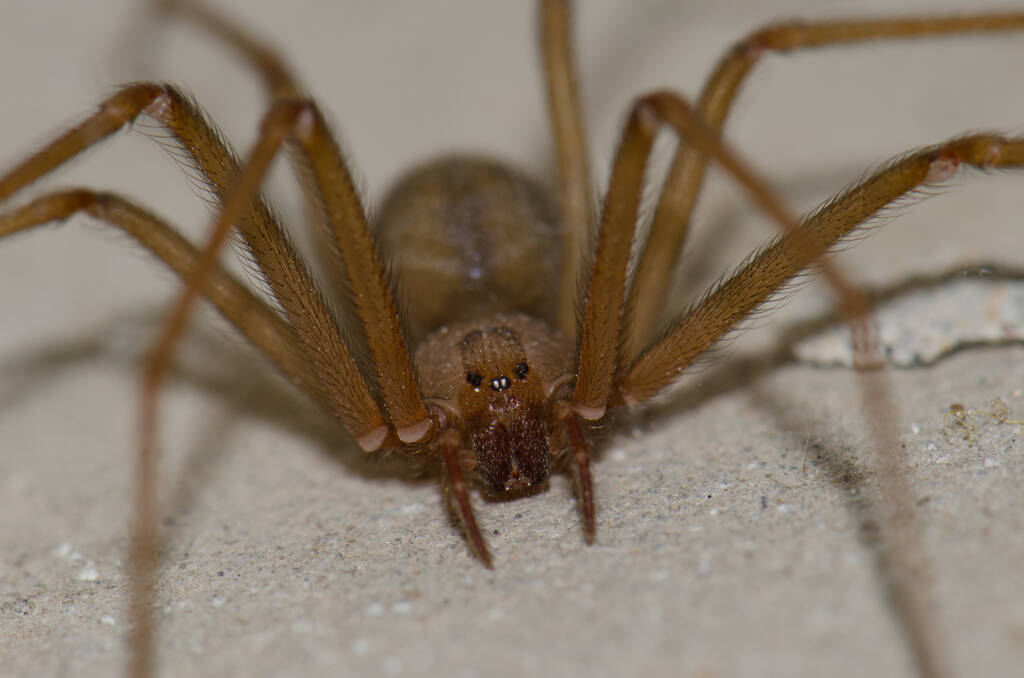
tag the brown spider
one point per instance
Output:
(504, 364)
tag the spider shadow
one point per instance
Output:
(215, 362)
(855, 481)
(834, 457)
(850, 476)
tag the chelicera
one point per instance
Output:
(489, 368)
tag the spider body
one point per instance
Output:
(498, 389)
(467, 238)
(474, 251)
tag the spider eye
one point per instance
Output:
(475, 378)
(521, 370)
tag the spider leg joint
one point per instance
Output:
(589, 413)
(942, 169)
(416, 432)
(372, 441)
(305, 123)
(160, 107)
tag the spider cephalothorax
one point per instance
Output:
(496, 379)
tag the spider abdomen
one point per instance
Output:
(468, 238)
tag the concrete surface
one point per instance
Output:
(733, 538)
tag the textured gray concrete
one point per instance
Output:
(733, 537)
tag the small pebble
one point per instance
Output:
(361, 647)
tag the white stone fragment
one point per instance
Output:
(921, 326)
(412, 509)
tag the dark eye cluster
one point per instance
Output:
(475, 379)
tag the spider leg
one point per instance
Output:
(329, 187)
(250, 316)
(674, 208)
(597, 353)
(601, 340)
(332, 186)
(457, 491)
(330, 361)
(584, 479)
(600, 336)
(279, 82)
(566, 114)
(277, 77)
(786, 255)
